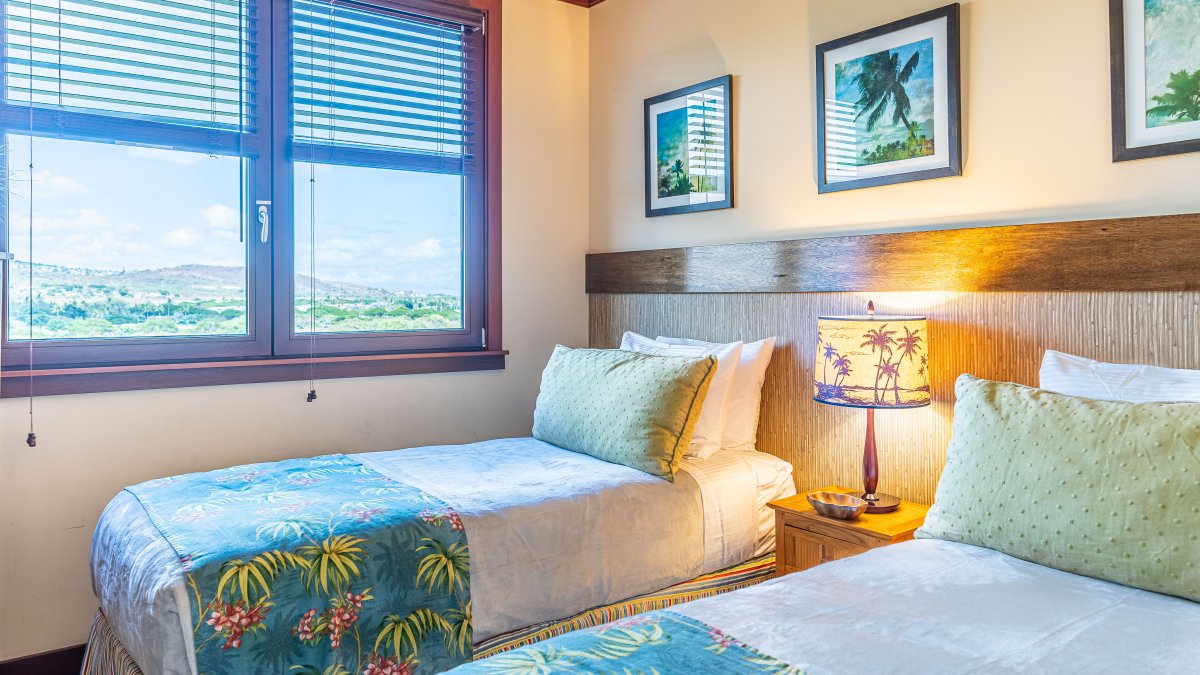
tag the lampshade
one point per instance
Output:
(872, 361)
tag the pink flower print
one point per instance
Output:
(304, 629)
(355, 599)
(379, 665)
(340, 619)
(428, 516)
(232, 621)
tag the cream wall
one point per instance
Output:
(1035, 109)
(90, 446)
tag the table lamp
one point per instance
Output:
(872, 362)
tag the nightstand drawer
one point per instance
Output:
(799, 549)
(832, 530)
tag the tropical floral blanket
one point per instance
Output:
(662, 643)
(318, 566)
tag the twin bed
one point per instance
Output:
(552, 533)
(925, 606)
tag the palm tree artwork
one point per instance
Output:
(672, 153)
(889, 86)
(881, 83)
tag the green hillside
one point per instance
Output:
(73, 302)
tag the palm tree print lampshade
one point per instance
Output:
(872, 361)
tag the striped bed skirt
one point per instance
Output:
(106, 655)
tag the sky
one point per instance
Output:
(105, 206)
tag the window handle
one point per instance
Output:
(264, 219)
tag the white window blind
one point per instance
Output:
(380, 88)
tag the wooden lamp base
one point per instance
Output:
(876, 503)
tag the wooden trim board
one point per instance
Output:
(1154, 253)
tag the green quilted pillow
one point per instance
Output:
(1100, 488)
(622, 407)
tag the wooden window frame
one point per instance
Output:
(269, 353)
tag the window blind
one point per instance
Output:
(182, 62)
(377, 87)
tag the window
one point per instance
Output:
(218, 182)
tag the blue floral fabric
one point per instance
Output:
(318, 566)
(661, 642)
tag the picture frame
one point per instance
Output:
(889, 106)
(689, 149)
(1152, 79)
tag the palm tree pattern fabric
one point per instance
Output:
(872, 364)
(661, 642)
(317, 566)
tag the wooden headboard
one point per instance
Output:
(1125, 290)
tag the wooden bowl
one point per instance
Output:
(837, 505)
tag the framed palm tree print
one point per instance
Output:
(688, 149)
(1155, 49)
(888, 104)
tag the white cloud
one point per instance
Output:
(427, 250)
(182, 237)
(222, 221)
(45, 181)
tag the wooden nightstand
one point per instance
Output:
(804, 538)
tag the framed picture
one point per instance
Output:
(888, 106)
(688, 155)
(1155, 55)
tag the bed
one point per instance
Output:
(925, 606)
(552, 533)
(1064, 538)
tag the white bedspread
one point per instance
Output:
(552, 532)
(930, 606)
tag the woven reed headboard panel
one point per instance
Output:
(996, 299)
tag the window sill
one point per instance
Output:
(57, 381)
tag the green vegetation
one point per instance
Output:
(1182, 102)
(673, 180)
(916, 145)
(72, 303)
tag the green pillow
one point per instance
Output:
(1104, 489)
(622, 407)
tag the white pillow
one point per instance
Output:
(706, 437)
(1087, 378)
(741, 422)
